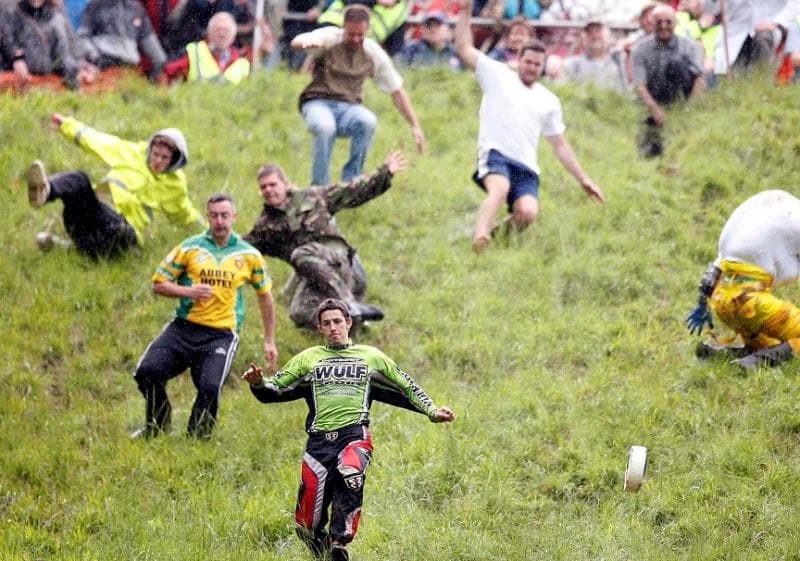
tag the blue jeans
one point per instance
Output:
(327, 119)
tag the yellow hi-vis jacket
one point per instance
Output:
(135, 190)
(203, 65)
(687, 26)
(383, 21)
(743, 300)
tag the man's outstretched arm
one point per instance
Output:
(403, 104)
(566, 156)
(267, 308)
(463, 35)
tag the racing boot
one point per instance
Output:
(705, 351)
(339, 552)
(769, 356)
(361, 312)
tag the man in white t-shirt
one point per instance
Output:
(515, 111)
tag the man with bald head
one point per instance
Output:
(666, 68)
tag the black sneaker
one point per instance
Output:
(339, 553)
(364, 312)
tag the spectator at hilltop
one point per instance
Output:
(528, 9)
(213, 59)
(518, 33)
(189, 20)
(36, 39)
(693, 23)
(666, 69)
(630, 42)
(563, 10)
(292, 28)
(386, 20)
(118, 33)
(597, 64)
(74, 10)
(789, 20)
(752, 33)
(435, 48)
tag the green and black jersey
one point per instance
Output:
(342, 380)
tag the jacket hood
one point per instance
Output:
(181, 156)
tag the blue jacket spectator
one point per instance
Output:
(435, 48)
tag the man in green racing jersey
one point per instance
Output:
(339, 381)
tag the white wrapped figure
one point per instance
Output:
(759, 249)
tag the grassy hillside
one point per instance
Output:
(558, 350)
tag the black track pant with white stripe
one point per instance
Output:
(206, 351)
(96, 229)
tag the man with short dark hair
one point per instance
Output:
(298, 227)
(144, 177)
(340, 377)
(331, 104)
(515, 111)
(206, 273)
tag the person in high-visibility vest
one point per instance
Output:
(758, 250)
(387, 16)
(215, 58)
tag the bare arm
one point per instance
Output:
(267, 308)
(698, 87)
(655, 109)
(198, 292)
(566, 156)
(403, 103)
(463, 35)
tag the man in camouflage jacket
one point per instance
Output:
(298, 227)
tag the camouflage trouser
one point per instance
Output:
(323, 272)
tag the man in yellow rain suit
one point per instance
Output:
(759, 248)
(144, 177)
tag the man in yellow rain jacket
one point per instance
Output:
(759, 248)
(144, 177)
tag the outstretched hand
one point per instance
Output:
(444, 415)
(591, 189)
(395, 161)
(697, 319)
(57, 118)
(253, 375)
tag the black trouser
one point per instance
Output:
(334, 471)
(676, 83)
(206, 351)
(755, 50)
(96, 229)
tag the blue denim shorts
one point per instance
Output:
(523, 180)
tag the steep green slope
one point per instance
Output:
(558, 349)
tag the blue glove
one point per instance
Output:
(698, 317)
